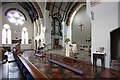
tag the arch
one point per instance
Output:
(57, 17)
(56, 33)
(79, 19)
(35, 44)
(55, 20)
(15, 17)
(37, 7)
(6, 34)
(24, 35)
(73, 11)
(10, 9)
(39, 42)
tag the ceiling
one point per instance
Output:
(61, 8)
(64, 9)
(29, 7)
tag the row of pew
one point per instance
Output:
(24, 70)
(29, 71)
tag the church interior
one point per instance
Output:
(59, 39)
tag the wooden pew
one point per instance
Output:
(69, 60)
(37, 74)
(80, 72)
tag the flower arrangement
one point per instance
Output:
(88, 38)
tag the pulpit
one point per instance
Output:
(99, 55)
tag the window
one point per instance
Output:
(6, 34)
(15, 17)
(24, 36)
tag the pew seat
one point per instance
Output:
(79, 72)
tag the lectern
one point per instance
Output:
(99, 55)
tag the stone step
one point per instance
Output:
(115, 64)
(115, 61)
(115, 68)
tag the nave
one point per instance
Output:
(10, 69)
(60, 39)
(64, 68)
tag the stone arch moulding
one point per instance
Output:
(39, 12)
(16, 10)
(37, 7)
(73, 11)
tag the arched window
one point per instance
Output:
(6, 34)
(24, 36)
(15, 16)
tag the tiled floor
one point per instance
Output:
(89, 71)
(0, 71)
(5, 70)
(10, 69)
(83, 55)
(14, 71)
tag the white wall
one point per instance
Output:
(119, 14)
(63, 31)
(48, 29)
(69, 33)
(14, 28)
(68, 29)
(105, 20)
(0, 26)
(78, 35)
(26, 46)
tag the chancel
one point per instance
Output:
(59, 39)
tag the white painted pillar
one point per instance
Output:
(48, 29)
(39, 24)
(63, 31)
(37, 27)
(34, 24)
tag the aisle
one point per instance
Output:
(11, 69)
(10, 57)
(0, 71)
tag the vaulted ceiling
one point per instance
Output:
(64, 9)
(32, 8)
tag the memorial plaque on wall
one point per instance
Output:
(15, 41)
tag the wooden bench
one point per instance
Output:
(69, 60)
(80, 72)
(36, 74)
